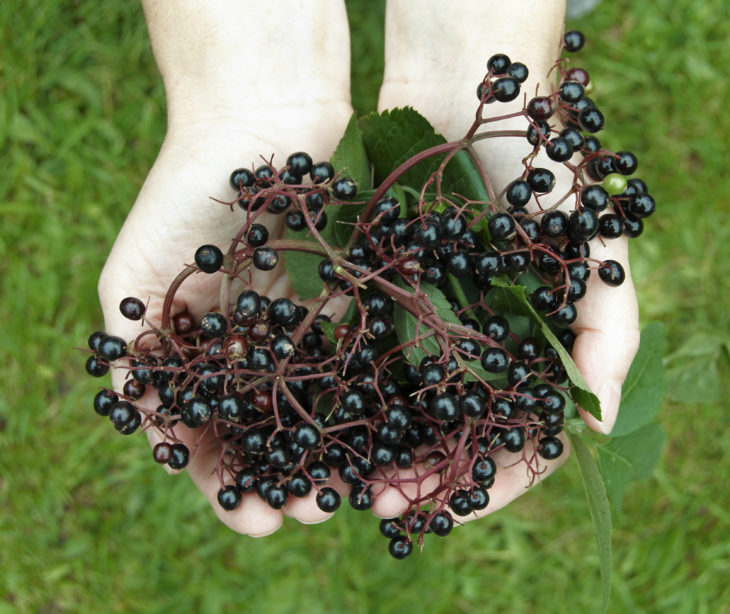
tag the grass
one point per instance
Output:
(88, 524)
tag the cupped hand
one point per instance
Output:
(434, 65)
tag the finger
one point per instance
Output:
(607, 331)
(515, 476)
(253, 516)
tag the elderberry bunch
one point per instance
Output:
(454, 344)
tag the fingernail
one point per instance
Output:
(609, 394)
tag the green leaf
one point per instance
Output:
(628, 458)
(350, 157)
(693, 371)
(512, 299)
(303, 271)
(394, 136)
(407, 328)
(329, 330)
(600, 512)
(643, 390)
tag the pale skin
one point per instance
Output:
(251, 78)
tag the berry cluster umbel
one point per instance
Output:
(429, 373)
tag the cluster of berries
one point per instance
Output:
(435, 366)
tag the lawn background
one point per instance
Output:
(89, 524)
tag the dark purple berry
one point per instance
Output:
(132, 308)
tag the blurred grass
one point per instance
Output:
(88, 524)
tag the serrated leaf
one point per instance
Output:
(350, 157)
(393, 136)
(645, 384)
(631, 457)
(600, 512)
(512, 299)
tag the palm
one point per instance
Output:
(173, 216)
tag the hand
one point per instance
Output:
(435, 65)
(273, 91)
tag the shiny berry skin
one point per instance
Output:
(611, 273)
(229, 497)
(518, 193)
(294, 220)
(571, 91)
(498, 63)
(573, 41)
(257, 235)
(559, 149)
(265, 258)
(632, 227)
(517, 373)
(514, 439)
(471, 405)
(543, 299)
(389, 528)
(231, 408)
(590, 144)
(179, 456)
(328, 499)
(505, 89)
(578, 74)
(282, 347)
(459, 264)
(209, 258)
(344, 189)
(550, 447)
(610, 226)
(594, 197)
(501, 227)
(196, 412)
(441, 524)
(496, 327)
(162, 453)
(213, 325)
(307, 436)
(494, 360)
(321, 172)
(519, 71)
(276, 496)
(641, 205)
(299, 485)
(477, 498)
(554, 224)
(626, 162)
(582, 225)
(360, 497)
(121, 414)
(104, 401)
(132, 308)
(299, 163)
(95, 367)
(242, 178)
(540, 108)
(400, 547)
(535, 136)
(590, 120)
(459, 503)
(353, 402)
(573, 137)
(111, 348)
(483, 470)
(387, 208)
(541, 180)
(565, 316)
(444, 407)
